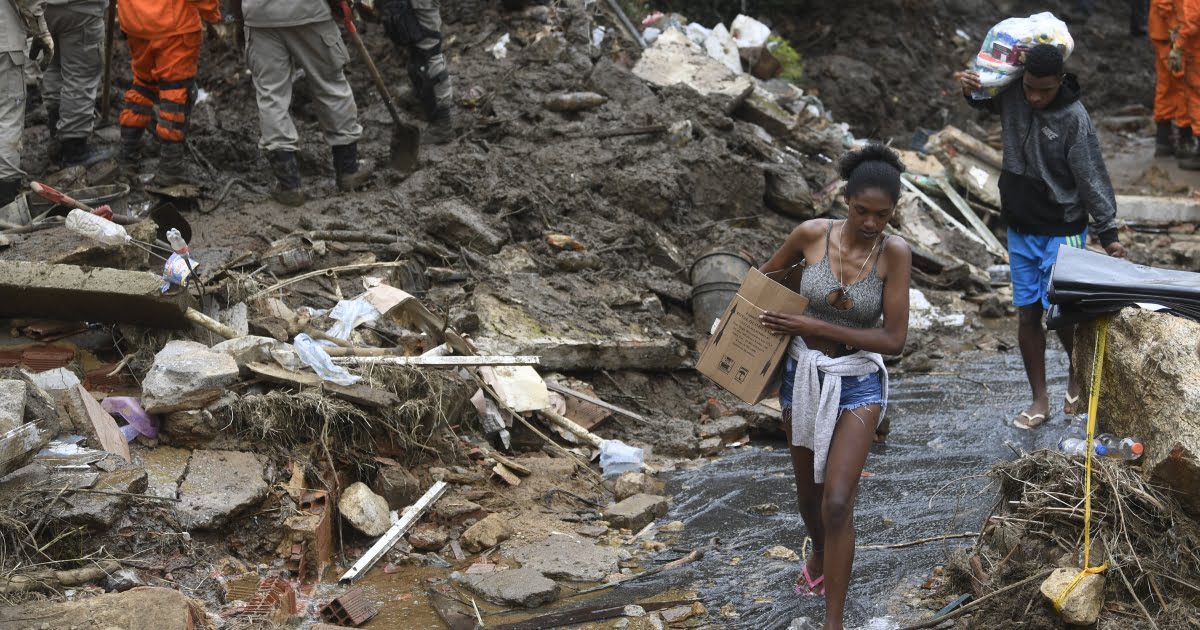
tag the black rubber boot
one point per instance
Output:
(1163, 147)
(77, 152)
(345, 164)
(1191, 160)
(52, 121)
(8, 190)
(287, 176)
(441, 127)
(131, 146)
(1185, 143)
(171, 168)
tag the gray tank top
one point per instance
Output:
(818, 282)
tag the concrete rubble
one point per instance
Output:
(219, 485)
(568, 558)
(187, 376)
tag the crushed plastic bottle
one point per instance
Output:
(1074, 447)
(96, 228)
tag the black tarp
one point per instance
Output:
(1084, 284)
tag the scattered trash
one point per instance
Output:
(499, 50)
(314, 356)
(616, 457)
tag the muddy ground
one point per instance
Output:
(531, 172)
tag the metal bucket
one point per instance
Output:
(115, 195)
(716, 277)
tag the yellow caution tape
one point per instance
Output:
(1093, 403)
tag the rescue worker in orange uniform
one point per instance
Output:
(1185, 58)
(164, 44)
(1170, 86)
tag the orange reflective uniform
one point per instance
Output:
(164, 46)
(1170, 90)
(1189, 41)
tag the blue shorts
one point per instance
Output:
(857, 391)
(1030, 260)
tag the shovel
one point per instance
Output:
(406, 137)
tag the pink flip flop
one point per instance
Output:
(812, 584)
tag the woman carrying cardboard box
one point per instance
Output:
(834, 391)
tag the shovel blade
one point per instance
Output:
(406, 148)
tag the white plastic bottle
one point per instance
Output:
(96, 228)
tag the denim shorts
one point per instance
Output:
(857, 391)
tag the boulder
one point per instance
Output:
(365, 510)
(428, 537)
(514, 587)
(12, 405)
(219, 485)
(399, 487)
(186, 375)
(143, 608)
(637, 511)
(568, 557)
(1082, 606)
(1157, 356)
(631, 483)
(487, 533)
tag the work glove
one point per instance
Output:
(1175, 61)
(47, 50)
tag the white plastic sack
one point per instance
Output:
(349, 314)
(499, 50)
(1000, 59)
(314, 356)
(617, 457)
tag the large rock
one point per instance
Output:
(144, 608)
(219, 485)
(788, 192)
(365, 510)
(631, 483)
(428, 537)
(569, 558)
(186, 375)
(487, 533)
(1156, 356)
(399, 487)
(514, 587)
(637, 511)
(1082, 605)
(12, 405)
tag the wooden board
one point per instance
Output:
(107, 432)
(357, 394)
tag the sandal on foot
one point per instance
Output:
(812, 584)
(1068, 401)
(1031, 422)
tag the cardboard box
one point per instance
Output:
(743, 356)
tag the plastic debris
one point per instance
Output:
(130, 409)
(314, 356)
(499, 50)
(617, 457)
(96, 228)
(350, 314)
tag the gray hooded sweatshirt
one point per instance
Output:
(1054, 175)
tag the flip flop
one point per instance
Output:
(812, 584)
(1031, 422)
(1068, 400)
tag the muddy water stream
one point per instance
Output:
(948, 428)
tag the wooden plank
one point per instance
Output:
(386, 541)
(571, 426)
(16, 444)
(358, 394)
(109, 435)
(993, 243)
(440, 361)
(946, 216)
(562, 389)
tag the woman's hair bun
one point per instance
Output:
(872, 152)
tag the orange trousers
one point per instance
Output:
(1171, 100)
(164, 75)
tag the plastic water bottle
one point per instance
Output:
(1106, 445)
(1130, 448)
(1075, 447)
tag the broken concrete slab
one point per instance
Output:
(186, 375)
(487, 533)
(457, 223)
(142, 608)
(455, 510)
(40, 407)
(637, 511)
(103, 295)
(365, 510)
(673, 58)
(101, 511)
(1140, 209)
(1163, 413)
(570, 339)
(569, 558)
(514, 587)
(219, 485)
(18, 446)
(12, 404)
(165, 467)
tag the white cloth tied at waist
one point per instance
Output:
(815, 403)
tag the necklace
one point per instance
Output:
(844, 298)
